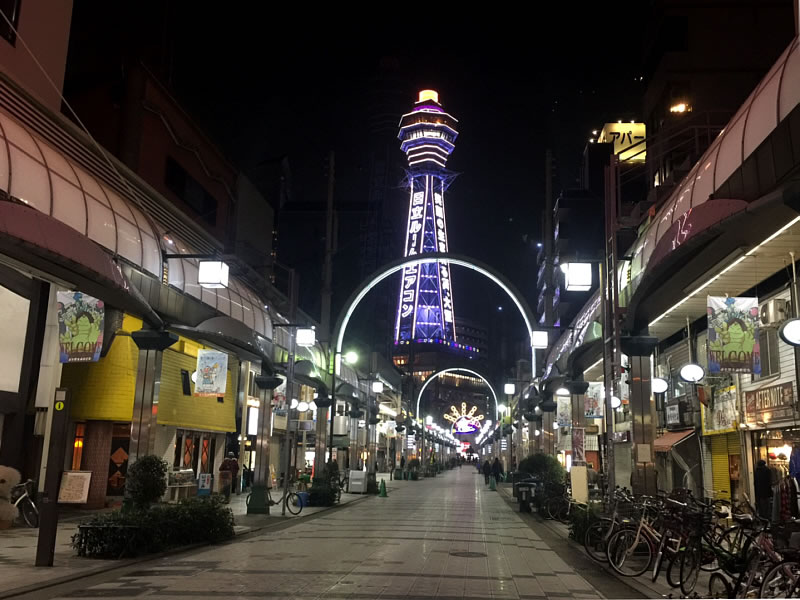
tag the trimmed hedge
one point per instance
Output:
(164, 526)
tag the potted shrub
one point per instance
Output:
(146, 481)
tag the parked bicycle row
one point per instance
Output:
(681, 536)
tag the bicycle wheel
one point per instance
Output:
(293, 503)
(661, 553)
(29, 512)
(629, 552)
(555, 507)
(718, 587)
(782, 581)
(596, 538)
(691, 560)
(674, 571)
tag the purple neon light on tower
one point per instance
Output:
(425, 308)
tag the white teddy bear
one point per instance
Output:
(8, 479)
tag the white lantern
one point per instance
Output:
(509, 388)
(294, 403)
(562, 391)
(790, 332)
(377, 387)
(306, 337)
(539, 339)
(659, 385)
(692, 373)
(577, 276)
(302, 406)
(615, 402)
(555, 424)
(212, 274)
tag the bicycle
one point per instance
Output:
(22, 497)
(598, 533)
(291, 499)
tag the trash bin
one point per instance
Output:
(525, 495)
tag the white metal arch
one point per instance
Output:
(450, 370)
(453, 259)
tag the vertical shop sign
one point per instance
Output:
(733, 335)
(80, 327)
(212, 373)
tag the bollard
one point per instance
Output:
(382, 493)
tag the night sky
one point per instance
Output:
(267, 84)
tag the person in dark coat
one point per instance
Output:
(763, 489)
(497, 470)
(487, 470)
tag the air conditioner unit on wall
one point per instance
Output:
(774, 312)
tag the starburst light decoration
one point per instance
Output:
(464, 422)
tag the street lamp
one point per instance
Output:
(562, 392)
(540, 340)
(305, 337)
(377, 387)
(692, 373)
(577, 276)
(351, 357)
(509, 389)
(659, 385)
(212, 274)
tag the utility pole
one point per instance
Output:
(327, 270)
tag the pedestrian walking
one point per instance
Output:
(497, 470)
(487, 471)
(228, 471)
(763, 489)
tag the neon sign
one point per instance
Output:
(464, 422)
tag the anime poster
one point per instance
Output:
(564, 411)
(733, 335)
(80, 327)
(212, 373)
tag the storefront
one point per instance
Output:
(723, 442)
(191, 433)
(774, 430)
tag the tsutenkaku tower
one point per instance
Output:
(425, 308)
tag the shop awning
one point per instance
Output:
(48, 245)
(307, 373)
(666, 442)
(233, 335)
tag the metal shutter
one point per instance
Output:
(719, 467)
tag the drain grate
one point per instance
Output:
(468, 554)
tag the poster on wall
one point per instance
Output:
(720, 414)
(80, 327)
(564, 412)
(733, 335)
(578, 445)
(212, 373)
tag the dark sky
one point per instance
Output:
(268, 82)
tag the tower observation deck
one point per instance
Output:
(425, 309)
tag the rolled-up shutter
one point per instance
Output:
(719, 466)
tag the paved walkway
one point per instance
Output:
(18, 545)
(448, 537)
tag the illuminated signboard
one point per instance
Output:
(628, 140)
(464, 422)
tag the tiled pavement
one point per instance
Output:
(18, 545)
(446, 537)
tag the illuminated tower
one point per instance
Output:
(425, 310)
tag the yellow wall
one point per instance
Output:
(194, 412)
(104, 390)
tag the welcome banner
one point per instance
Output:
(733, 335)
